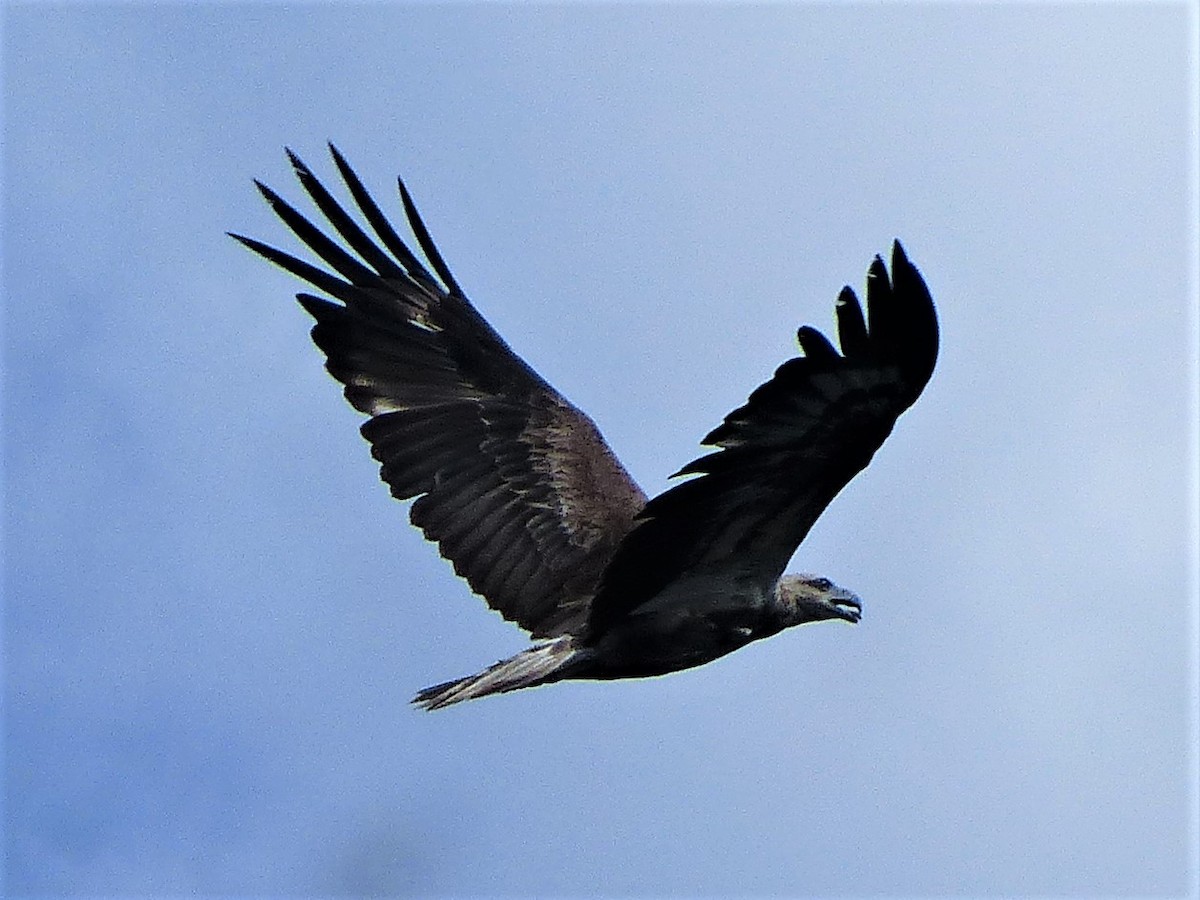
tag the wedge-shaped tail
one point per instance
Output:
(538, 665)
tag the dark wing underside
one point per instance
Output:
(515, 484)
(785, 454)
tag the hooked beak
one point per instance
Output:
(848, 607)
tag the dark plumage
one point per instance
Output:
(522, 495)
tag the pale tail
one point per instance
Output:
(534, 666)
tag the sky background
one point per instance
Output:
(215, 616)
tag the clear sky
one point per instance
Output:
(215, 616)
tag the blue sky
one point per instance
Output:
(215, 616)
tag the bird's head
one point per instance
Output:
(812, 598)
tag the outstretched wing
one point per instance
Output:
(785, 454)
(515, 484)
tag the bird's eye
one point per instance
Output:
(821, 584)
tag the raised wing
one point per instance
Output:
(515, 484)
(785, 454)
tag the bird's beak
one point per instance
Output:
(848, 607)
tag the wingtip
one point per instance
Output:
(815, 345)
(257, 246)
(248, 242)
(298, 165)
(903, 268)
(338, 158)
(269, 195)
(877, 270)
(405, 196)
(344, 168)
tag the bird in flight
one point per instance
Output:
(526, 500)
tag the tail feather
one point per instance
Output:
(537, 665)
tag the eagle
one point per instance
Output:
(525, 499)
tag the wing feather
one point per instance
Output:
(783, 456)
(380, 224)
(515, 484)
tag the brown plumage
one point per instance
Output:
(522, 495)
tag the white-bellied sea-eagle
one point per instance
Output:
(522, 495)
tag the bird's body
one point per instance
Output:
(523, 496)
(694, 620)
